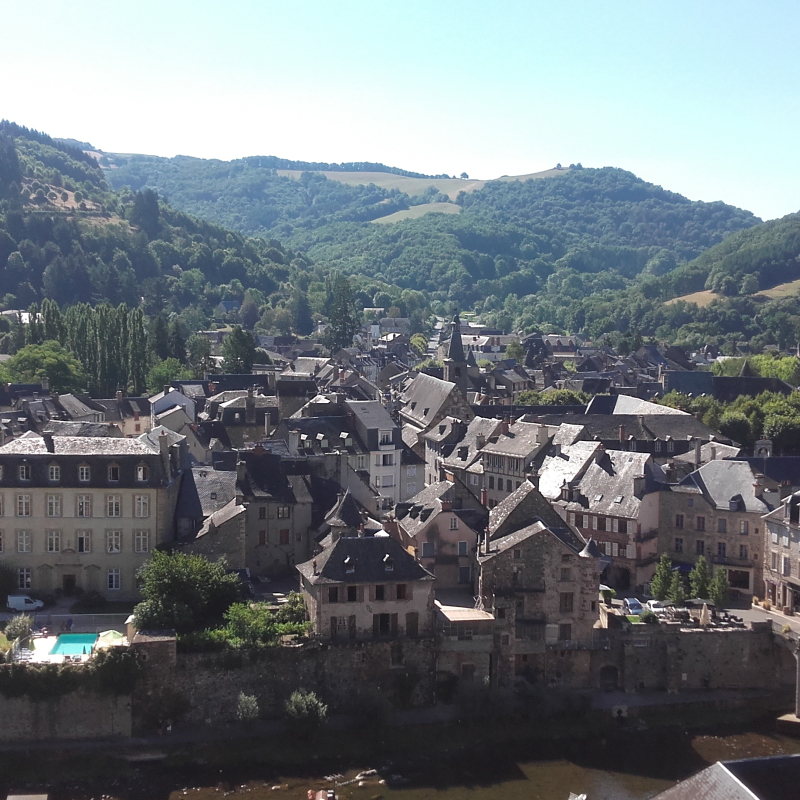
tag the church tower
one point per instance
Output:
(455, 362)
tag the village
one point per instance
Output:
(436, 529)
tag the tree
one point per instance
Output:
(419, 344)
(700, 578)
(677, 594)
(164, 372)
(184, 592)
(200, 353)
(719, 587)
(515, 350)
(343, 317)
(662, 579)
(34, 362)
(159, 338)
(145, 212)
(302, 321)
(248, 313)
(176, 344)
(247, 708)
(18, 627)
(464, 176)
(305, 714)
(239, 352)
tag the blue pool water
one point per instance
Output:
(73, 644)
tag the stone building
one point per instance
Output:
(85, 512)
(782, 554)
(367, 587)
(716, 512)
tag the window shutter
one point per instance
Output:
(376, 625)
(371, 593)
(360, 594)
(394, 624)
(409, 591)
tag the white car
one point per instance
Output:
(21, 602)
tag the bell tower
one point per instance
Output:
(455, 362)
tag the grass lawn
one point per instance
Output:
(4, 643)
(705, 297)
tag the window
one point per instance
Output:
(284, 512)
(787, 566)
(411, 472)
(1, 505)
(658, 446)
(83, 505)
(352, 594)
(401, 591)
(774, 561)
(53, 541)
(333, 594)
(565, 602)
(508, 486)
(564, 632)
(113, 505)
(262, 538)
(386, 481)
(141, 473)
(113, 473)
(84, 539)
(614, 549)
(54, 505)
(386, 437)
(411, 489)
(742, 551)
(114, 583)
(24, 578)
(594, 522)
(722, 525)
(427, 549)
(388, 460)
(84, 474)
(679, 520)
(722, 549)
(464, 575)
(571, 517)
(24, 542)
(1, 541)
(283, 536)
(453, 523)
(473, 480)
(141, 541)
(615, 525)
(54, 473)
(24, 472)
(566, 574)
(701, 523)
(113, 541)
(141, 505)
(632, 445)
(678, 544)
(23, 505)
(670, 446)
(700, 547)
(462, 548)
(380, 592)
(491, 482)
(744, 527)
(262, 512)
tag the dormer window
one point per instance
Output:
(54, 473)
(658, 446)
(670, 446)
(388, 563)
(349, 565)
(142, 473)
(84, 474)
(113, 473)
(24, 472)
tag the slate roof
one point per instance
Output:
(455, 348)
(520, 508)
(204, 491)
(608, 484)
(424, 398)
(77, 446)
(229, 511)
(127, 408)
(781, 469)
(367, 555)
(710, 451)
(520, 441)
(372, 414)
(346, 513)
(479, 426)
(75, 407)
(564, 535)
(61, 428)
(567, 434)
(425, 505)
(727, 482)
(565, 467)
(727, 389)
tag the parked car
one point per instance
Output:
(21, 602)
(630, 605)
(657, 606)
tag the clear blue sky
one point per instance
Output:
(700, 97)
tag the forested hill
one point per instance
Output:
(560, 238)
(66, 237)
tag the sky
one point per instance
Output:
(700, 97)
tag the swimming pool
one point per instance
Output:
(74, 644)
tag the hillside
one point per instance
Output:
(562, 235)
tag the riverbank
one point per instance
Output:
(652, 745)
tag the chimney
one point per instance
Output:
(241, 468)
(314, 566)
(250, 407)
(484, 499)
(621, 434)
(447, 505)
(758, 488)
(212, 389)
(698, 455)
(167, 388)
(119, 395)
(713, 452)
(361, 531)
(48, 442)
(294, 441)
(45, 382)
(504, 426)
(480, 441)
(163, 448)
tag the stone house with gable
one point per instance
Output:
(367, 587)
(716, 512)
(782, 554)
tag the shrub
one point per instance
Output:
(648, 617)
(305, 714)
(18, 626)
(246, 708)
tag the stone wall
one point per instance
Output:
(402, 670)
(79, 715)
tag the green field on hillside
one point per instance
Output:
(415, 212)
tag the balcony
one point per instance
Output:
(730, 561)
(646, 536)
